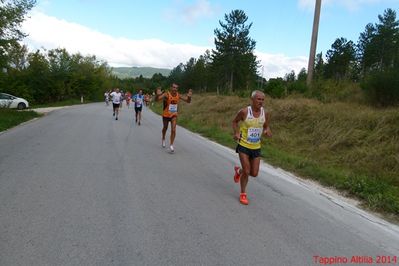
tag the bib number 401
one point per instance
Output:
(254, 134)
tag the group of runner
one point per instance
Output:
(117, 97)
(249, 125)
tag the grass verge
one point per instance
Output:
(10, 118)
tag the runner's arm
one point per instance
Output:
(187, 98)
(159, 95)
(266, 127)
(236, 130)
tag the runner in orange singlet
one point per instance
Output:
(170, 107)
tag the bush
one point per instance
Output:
(297, 87)
(333, 91)
(382, 87)
(276, 88)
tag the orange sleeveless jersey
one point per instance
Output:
(170, 103)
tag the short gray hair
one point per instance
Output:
(253, 94)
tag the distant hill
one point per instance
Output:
(134, 72)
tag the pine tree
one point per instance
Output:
(233, 59)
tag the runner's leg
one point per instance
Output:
(255, 166)
(173, 130)
(117, 112)
(164, 129)
(245, 170)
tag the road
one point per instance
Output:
(79, 188)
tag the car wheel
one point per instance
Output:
(21, 106)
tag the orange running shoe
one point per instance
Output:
(236, 174)
(243, 198)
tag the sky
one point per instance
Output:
(163, 34)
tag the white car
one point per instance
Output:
(10, 101)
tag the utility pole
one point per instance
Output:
(313, 44)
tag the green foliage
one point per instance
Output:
(177, 74)
(378, 194)
(319, 67)
(382, 87)
(373, 63)
(333, 90)
(292, 84)
(12, 14)
(57, 76)
(10, 118)
(340, 58)
(297, 87)
(276, 88)
(378, 44)
(234, 62)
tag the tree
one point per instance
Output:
(38, 77)
(387, 38)
(157, 80)
(189, 74)
(367, 51)
(200, 75)
(17, 57)
(379, 58)
(176, 75)
(340, 58)
(202, 71)
(60, 63)
(378, 45)
(12, 14)
(319, 66)
(276, 87)
(290, 77)
(208, 76)
(233, 59)
(302, 75)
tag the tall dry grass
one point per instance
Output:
(356, 137)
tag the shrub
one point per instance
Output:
(276, 88)
(382, 87)
(297, 87)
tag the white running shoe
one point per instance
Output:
(172, 149)
(163, 143)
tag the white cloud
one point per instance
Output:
(202, 8)
(190, 13)
(50, 33)
(277, 65)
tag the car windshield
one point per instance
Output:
(4, 96)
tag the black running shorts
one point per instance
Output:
(250, 152)
(168, 119)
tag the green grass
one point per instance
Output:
(10, 118)
(59, 104)
(351, 147)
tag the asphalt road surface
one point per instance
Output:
(79, 188)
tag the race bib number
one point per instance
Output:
(138, 102)
(254, 134)
(173, 108)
